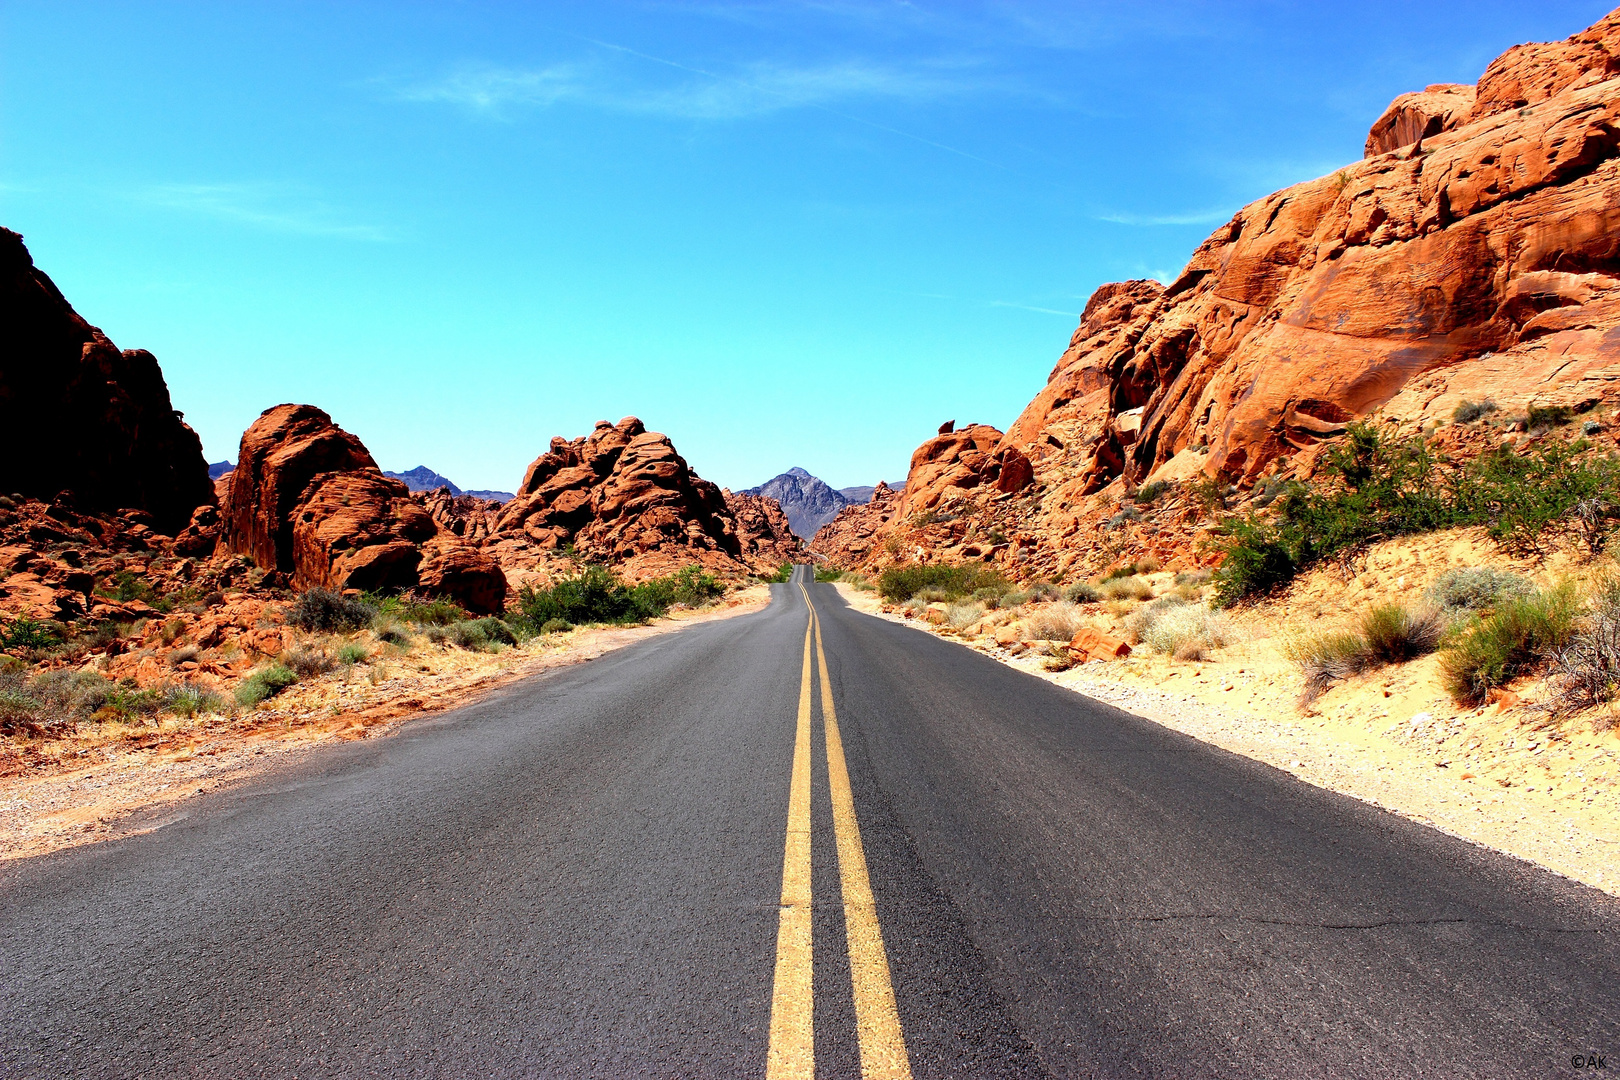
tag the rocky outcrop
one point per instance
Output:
(620, 496)
(808, 501)
(764, 533)
(307, 501)
(1475, 252)
(81, 416)
(857, 533)
(957, 461)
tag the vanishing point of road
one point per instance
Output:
(799, 842)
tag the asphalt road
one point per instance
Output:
(585, 876)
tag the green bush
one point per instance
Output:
(556, 626)
(1326, 657)
(782, 574)
(481, 635)
(1126, 588)
(1083, 592)
(1379, 487)
(596, 595)
(127, 586)
(829, 573)
(1395, 633)
(1585, 671)
(1522, 632)
(1467, 412)
(901, 583)
(264, 684)
(27, 635)
(1150, 491)
(325, 610)
(353, 653)
(188, 701)
(1545, 416)
(308, 663)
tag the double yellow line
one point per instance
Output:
(877, 1020)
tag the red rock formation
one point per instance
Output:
(953, 458)
(763, 532)
(1475, 252)
(621, 496)
(307, 500)
(81, 416)
(857, 533)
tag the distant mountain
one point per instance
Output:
(218, 469)
(808, 502)
(423, 478)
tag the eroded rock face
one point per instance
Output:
(621, 496)
(81, 416)
(283, 450)
(307, 500)
(1499, 233)
(764, 533)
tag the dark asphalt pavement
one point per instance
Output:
(580, 876)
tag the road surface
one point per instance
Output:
(660, 864)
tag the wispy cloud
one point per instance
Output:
(273, 207)
(751, 90)
(1196, 217)
(1041, 310)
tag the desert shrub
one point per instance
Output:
(1396, 633)
(1125, 516)
(1146, 565)
(781, 575)
(1083, 592)
(1467, 412)
(828, 573)
(1474, 588)
(27, 635)
(1519, 635)
(353, 653)
(1126, 588)
(1209, 493)
(183, 656)
(265, 683)
(1150, 491)
(308, 663)
(690, 585)
(1546, 416)
(1014, 599)
(1327, 657)
(1186, 632)
(899, 583)
(171, 631)
(325, 610)
(1591, 427)
(437, 635)
(1044, 590)
(470, 635)
(1380, 487)
(389, 631)
(126, 586)
(1054, 622)
(556, 626)
(964, 613)
(1138, 621)
(596, 595)
(439, 612)
(1585, 671)
(1192, 577)
(188, 701)
(933, 596)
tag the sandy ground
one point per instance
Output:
(147, 771)
(1507, 779)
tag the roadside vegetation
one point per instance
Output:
(1378, 487)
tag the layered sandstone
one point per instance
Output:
(764, 534)
(81, 416)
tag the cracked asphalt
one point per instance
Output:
(580, 877)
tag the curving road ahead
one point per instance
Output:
(797, 844)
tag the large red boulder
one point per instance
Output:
(79, 415)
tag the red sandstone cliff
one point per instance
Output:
(1475, 251)
(79, 415)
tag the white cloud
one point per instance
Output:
(1196, 217)
(273, 207)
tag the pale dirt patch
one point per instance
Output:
(1511, 780)
(84, 794)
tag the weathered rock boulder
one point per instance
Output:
(1419, 115)
(764, 533)
(307, 500)
(621, 496)
(955, 458)
(81, 416)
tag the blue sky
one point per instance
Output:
(782, 233)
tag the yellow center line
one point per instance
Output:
(877, 1020)
(792, 1046)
